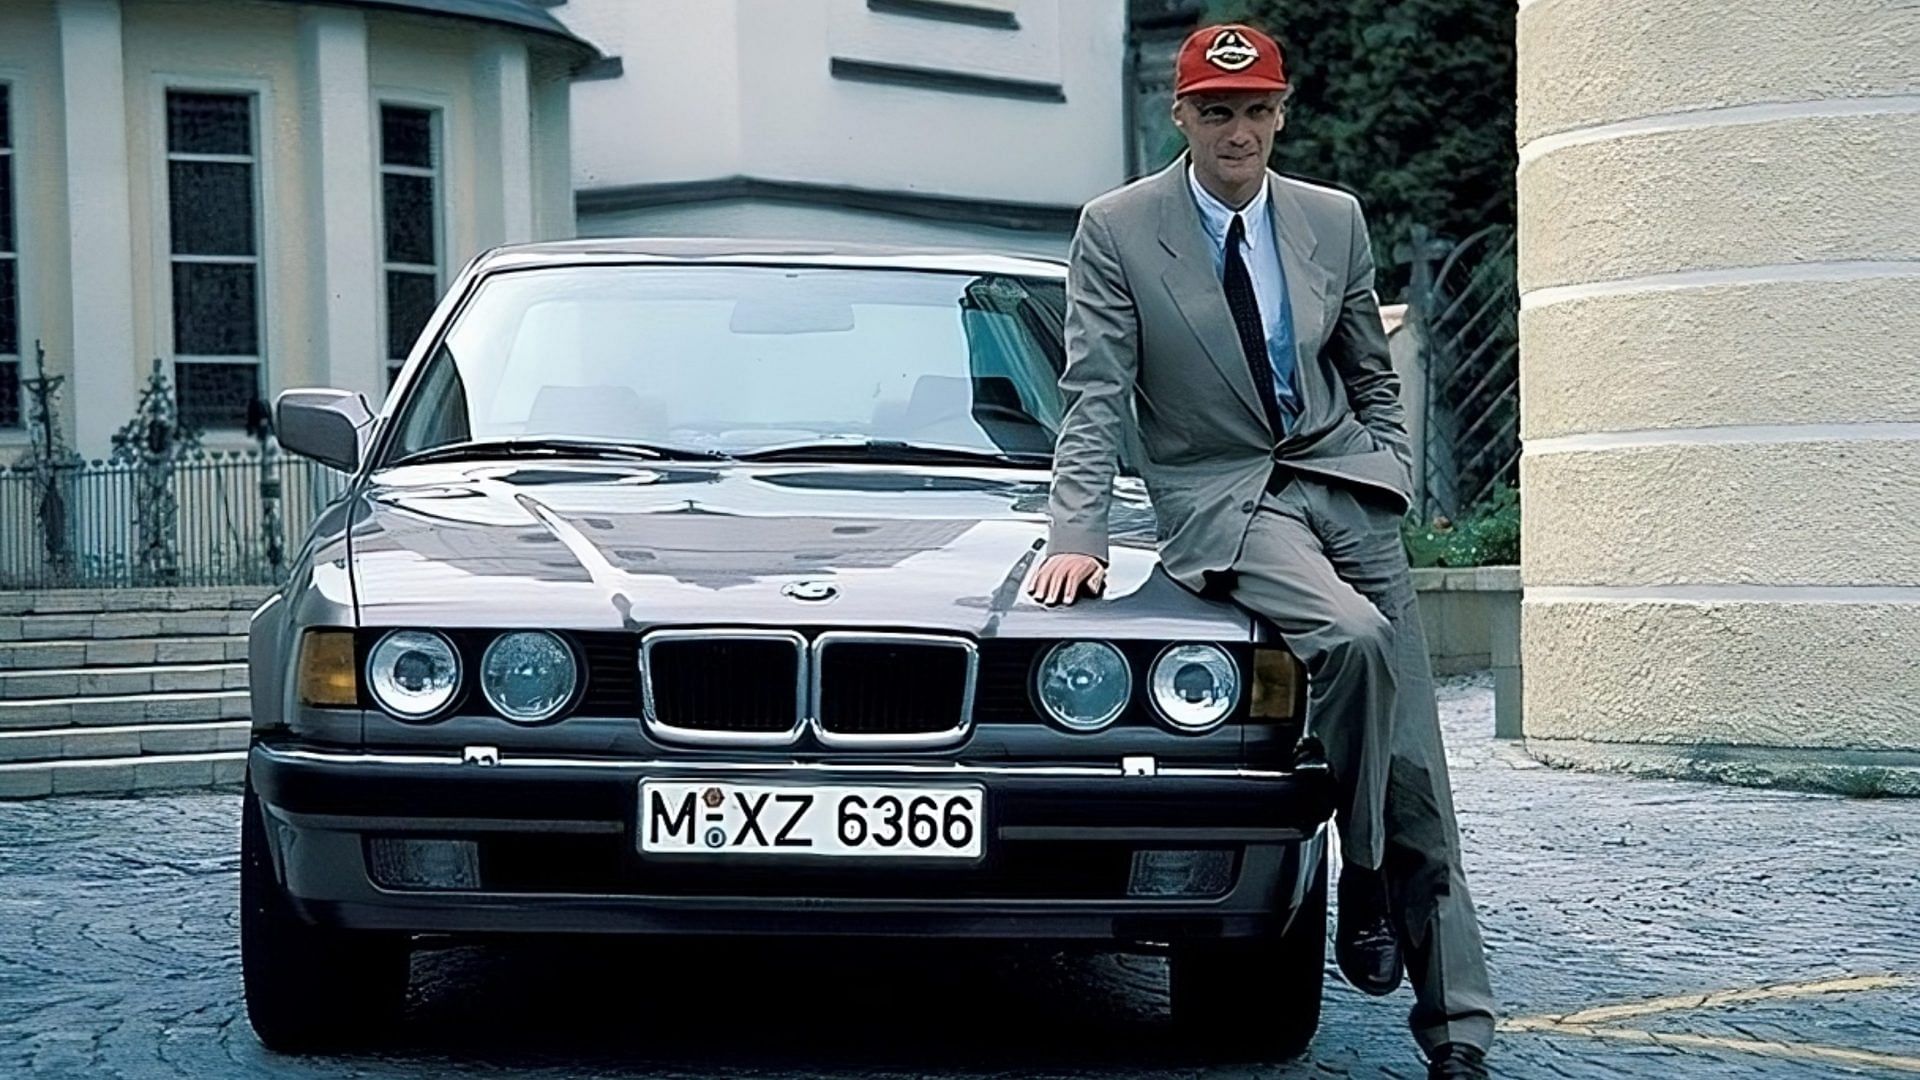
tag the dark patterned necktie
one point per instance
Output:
(1247, 322)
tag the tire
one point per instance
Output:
(1255, 1000)
(308, 987)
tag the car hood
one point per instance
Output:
(611, 546)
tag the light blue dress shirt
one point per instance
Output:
(1262, 255)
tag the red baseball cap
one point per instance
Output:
(1228, 58)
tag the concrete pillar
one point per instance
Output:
(552, 165)
(504, 130)
(1720, 387)
(99, 224)
(337, 121)
(1409, 357)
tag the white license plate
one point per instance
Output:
(685, 817)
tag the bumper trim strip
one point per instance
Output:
(511, 761)
(1148, 834)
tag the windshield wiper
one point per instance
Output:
(865, 449)
(558, 448)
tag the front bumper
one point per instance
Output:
(558, 850)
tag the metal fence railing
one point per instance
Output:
(221, 518)
(1466, 314)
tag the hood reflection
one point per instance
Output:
(598, 547)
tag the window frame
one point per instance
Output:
(266, 313)
(440, 110)
(14, 82)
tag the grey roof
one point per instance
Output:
(748, 250)
(519, 14)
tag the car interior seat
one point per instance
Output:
(597, 412)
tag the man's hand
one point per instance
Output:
(1059, 578)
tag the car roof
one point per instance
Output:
(734, 250)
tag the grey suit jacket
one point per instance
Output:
(1150, 340)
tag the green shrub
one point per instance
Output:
(1487, 535)
(1409, 103)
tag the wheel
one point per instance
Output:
(1255, 1000)
(308, 987)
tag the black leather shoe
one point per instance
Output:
(1364, 945)
(1457, 1061)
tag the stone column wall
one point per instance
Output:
(1720, 387)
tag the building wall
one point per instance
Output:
(30, 65)
(88, 81)
(1720, 385)
(750, 88)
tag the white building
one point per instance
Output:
(953, 122)
(260, 193)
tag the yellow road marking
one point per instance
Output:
(1804, 1051)
(1612, 1014)
(1590, 1022)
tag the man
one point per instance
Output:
(1230, 313)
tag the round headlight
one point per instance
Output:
(1084, 684)
(414, 673)
(529, 675)
(1195, 686)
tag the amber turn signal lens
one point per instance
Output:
(327, 676)
(1277, 678)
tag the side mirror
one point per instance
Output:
(329, 426)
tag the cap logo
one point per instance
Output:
(1231, 51)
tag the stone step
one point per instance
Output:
(120, 681)
(124, 624)
(129, 741)
(115, 652)
(32, 779)
(188, 707)
(75, 601)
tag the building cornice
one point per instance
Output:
(1027, 217)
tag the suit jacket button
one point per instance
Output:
(1247, 507)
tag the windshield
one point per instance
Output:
(734, 358)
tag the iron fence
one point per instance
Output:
(1466, 316)
(236, 518)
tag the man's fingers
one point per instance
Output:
(1042, 575)
(1060, 579)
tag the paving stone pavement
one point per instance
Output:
(118, 957)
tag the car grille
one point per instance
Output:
(760, 687)
(892, 688)
(737, 687)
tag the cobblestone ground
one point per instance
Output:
(118, 958)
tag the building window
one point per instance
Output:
(10, 412)
(213, 196)
(410, 209)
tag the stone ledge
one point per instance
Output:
(103, 601)
(1856, 773)
(121, 776)
(1467, 579)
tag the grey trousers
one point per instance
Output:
(1329, 569)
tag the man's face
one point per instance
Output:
(1230, 134)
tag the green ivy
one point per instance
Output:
(1488, 535)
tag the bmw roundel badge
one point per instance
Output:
(810, 590)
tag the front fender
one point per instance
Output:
(319, 592)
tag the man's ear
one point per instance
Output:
(1174, 112)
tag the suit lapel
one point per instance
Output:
(1307, 281)
(1196, 290)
